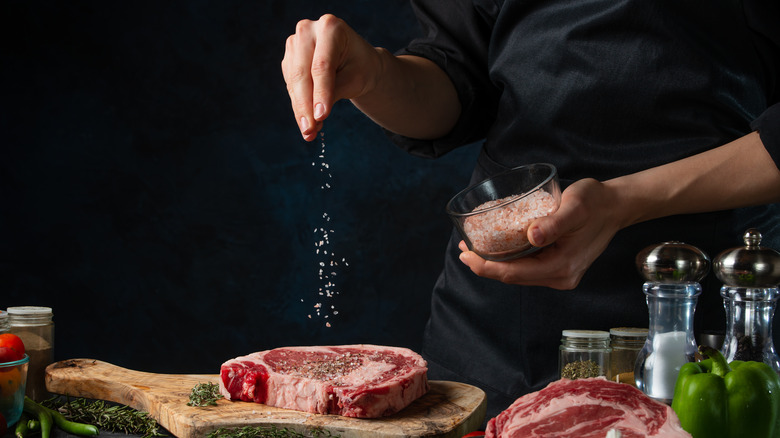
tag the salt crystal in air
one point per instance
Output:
(328, 288)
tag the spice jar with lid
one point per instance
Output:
(626, 343)
(584, 353)
(750, 276)
(672, 272)
(35, 326)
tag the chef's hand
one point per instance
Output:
(573, 237)
(324, 61)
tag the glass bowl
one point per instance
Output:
(13, 380)
(493, 216)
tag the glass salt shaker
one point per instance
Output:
(35, 326)
(750, 276)
(672, 271)
(626, 343)
(584, 353)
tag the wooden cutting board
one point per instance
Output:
(449, 409)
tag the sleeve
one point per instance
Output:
(763, 18)
(768, 127)
(456, 36)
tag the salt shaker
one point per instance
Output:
(672, 272)
(35, 327)
(750, 276)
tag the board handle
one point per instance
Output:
(95, 379)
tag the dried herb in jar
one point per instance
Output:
(580, 369)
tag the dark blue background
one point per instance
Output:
(156, 193)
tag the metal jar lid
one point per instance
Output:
(672, 262)
(751, 265)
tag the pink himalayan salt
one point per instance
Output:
(505, 228)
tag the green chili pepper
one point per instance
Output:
(33, 425)
(715, 399)
(82, 429)
(42, 413)
(48, 416)
(21, 427)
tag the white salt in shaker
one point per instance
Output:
(672, 271)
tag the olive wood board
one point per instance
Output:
(448, 409)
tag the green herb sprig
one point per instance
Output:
(204, 394)
(112, 418)
(267, 432)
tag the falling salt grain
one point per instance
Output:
(328, 287)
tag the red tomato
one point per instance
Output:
(3, 426)
(11, 348)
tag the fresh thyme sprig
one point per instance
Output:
(204, 394)
(267, 432)
(112, 418)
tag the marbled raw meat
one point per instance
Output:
(586, 408)
(365, 381)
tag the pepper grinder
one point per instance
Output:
(672, 272)
(750, 277)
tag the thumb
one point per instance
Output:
(546, 230)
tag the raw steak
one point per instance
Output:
(585, 408)
(365, 381)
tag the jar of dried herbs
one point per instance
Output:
(584, 353)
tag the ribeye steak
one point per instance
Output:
(586, 408)
(365, 381)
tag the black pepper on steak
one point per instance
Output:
(323, 368)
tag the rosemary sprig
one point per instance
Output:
(112, 418)
(267, 432)
(204, 394)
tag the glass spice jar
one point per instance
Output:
(626, 343)
(35, 326)
(583, 354)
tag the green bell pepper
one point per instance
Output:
(715, 399)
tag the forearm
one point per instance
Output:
(737, 174)
(412, 96)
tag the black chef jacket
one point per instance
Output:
(599, 88)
